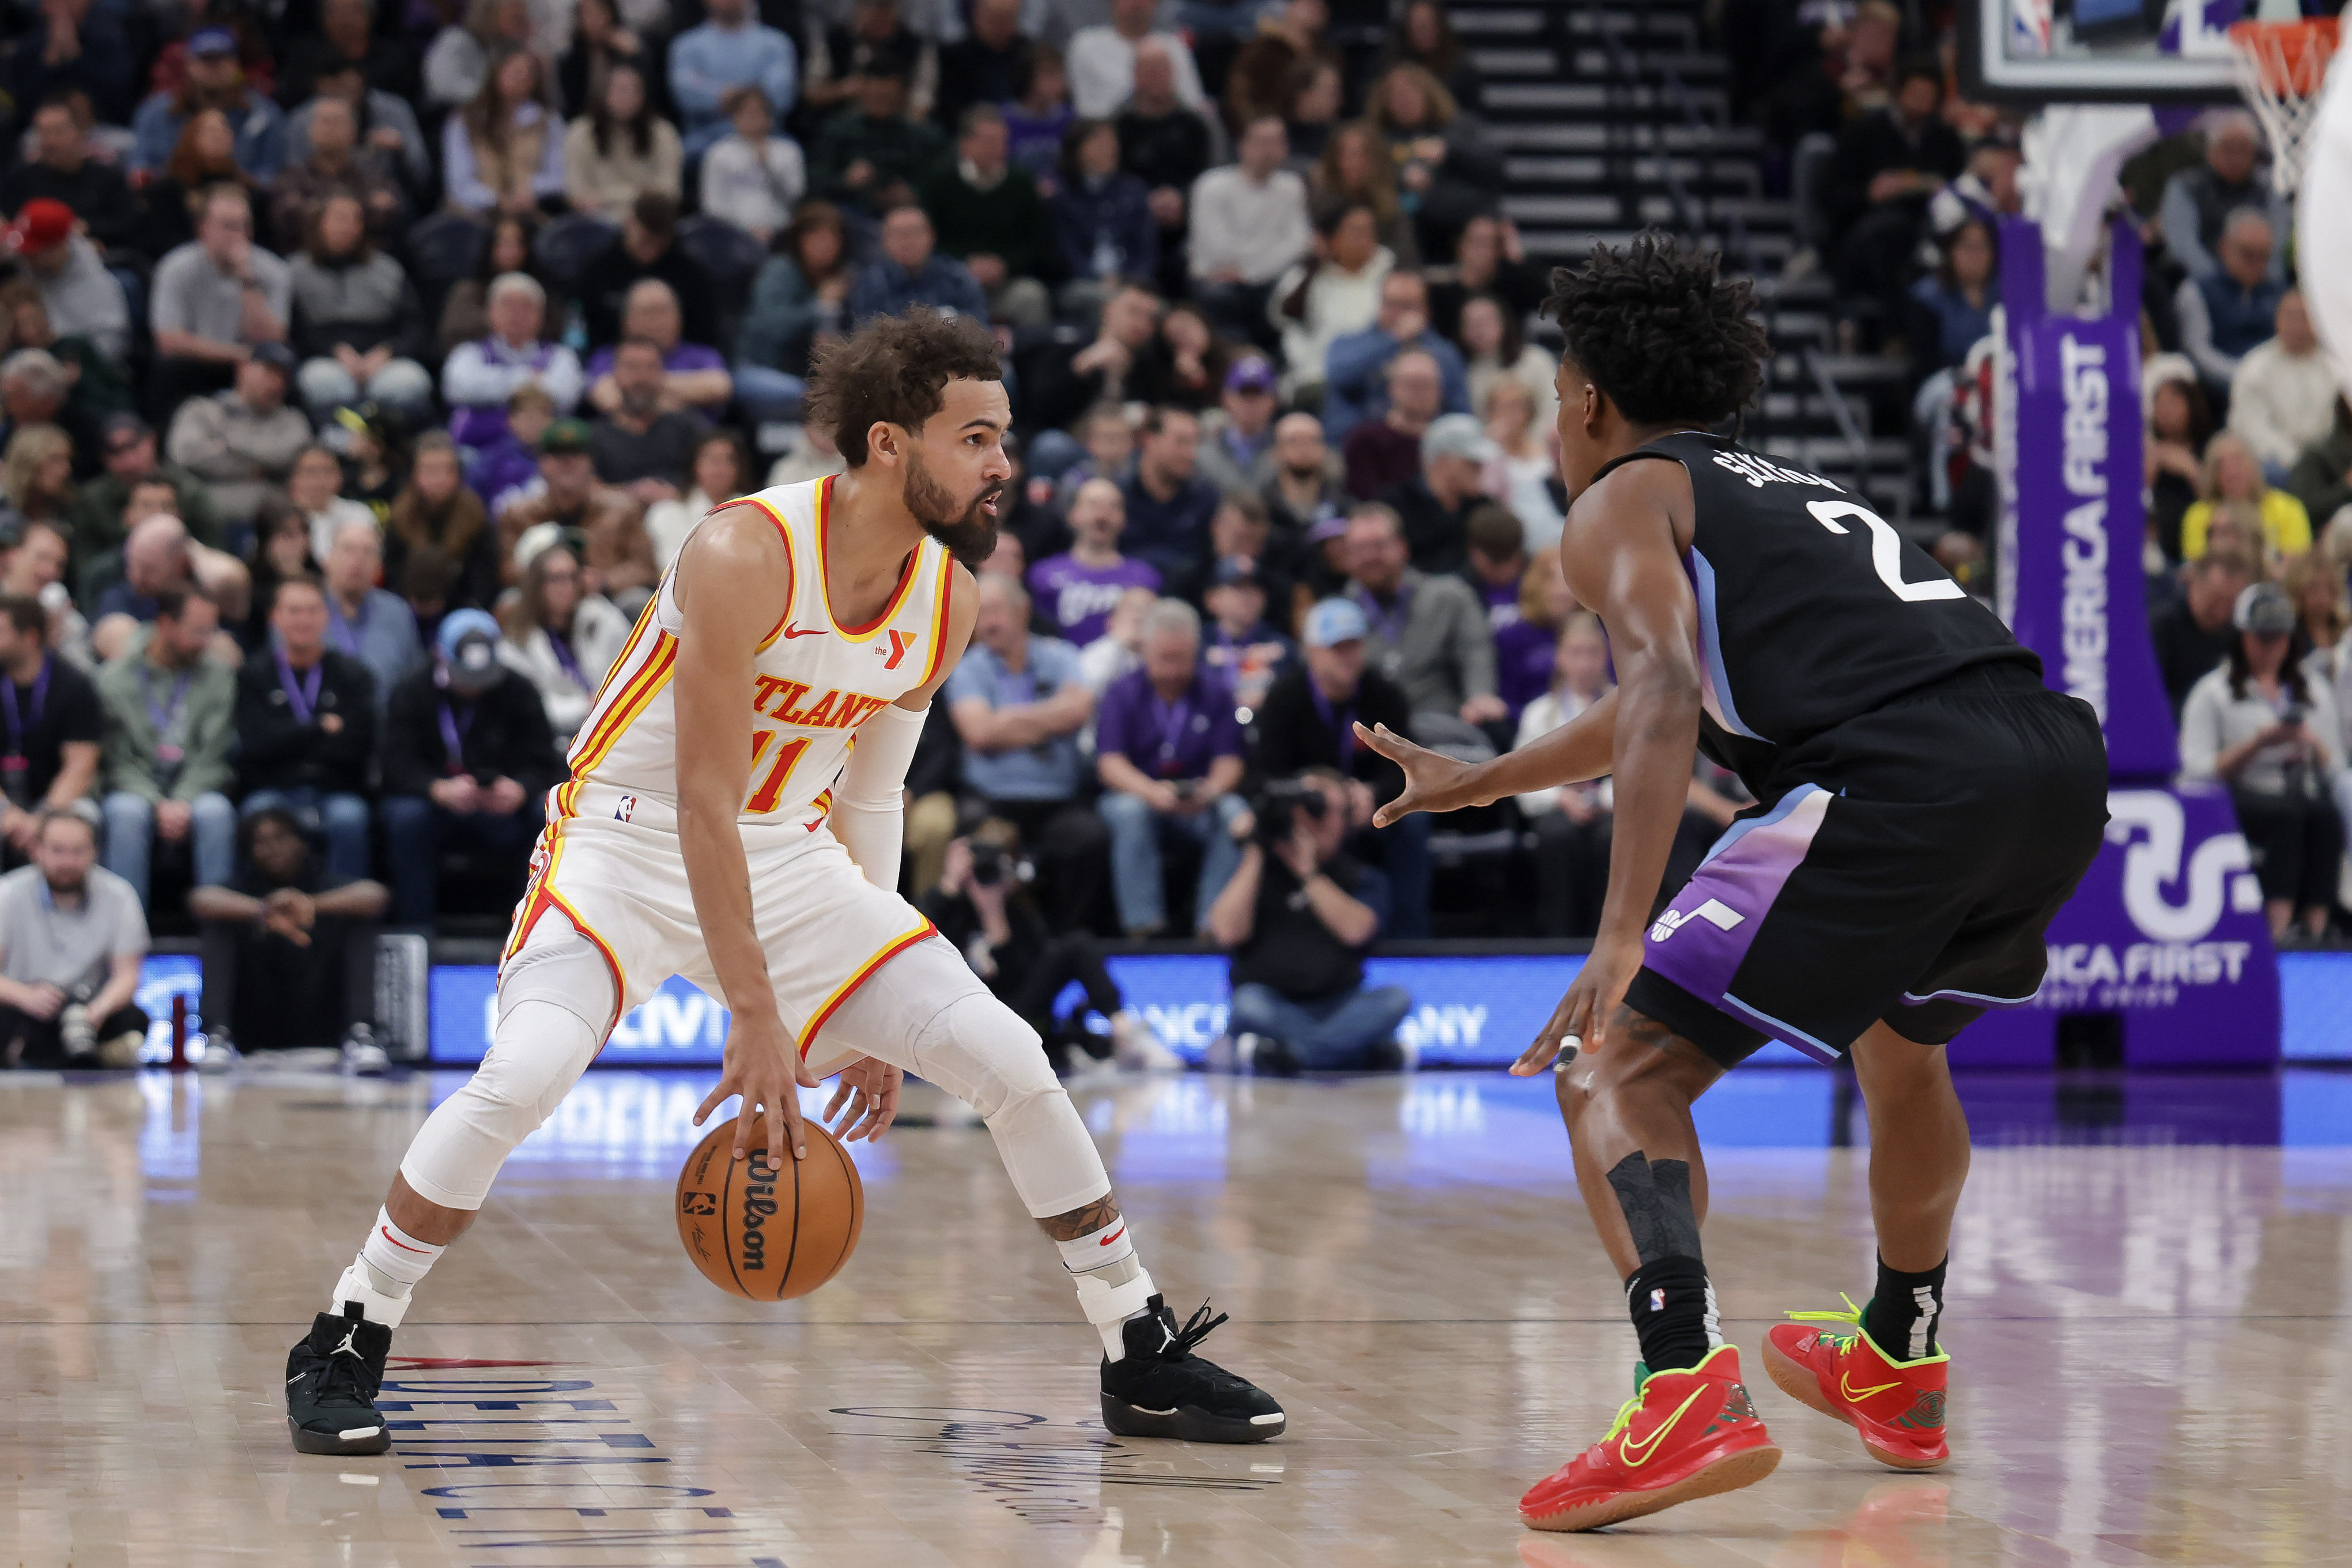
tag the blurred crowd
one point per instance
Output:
(1901, 183)
(365, 364)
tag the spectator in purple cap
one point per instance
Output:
(467, 755)
(1238, 440)
(1326, 570)
(215, 80)
(1076, 593)
(1167, 751)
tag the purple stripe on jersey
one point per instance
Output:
(1701, 939)
(1979, 998)
(1714, 678)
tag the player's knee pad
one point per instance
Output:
(979, 1049)
(543, 1043)
(929, 1013)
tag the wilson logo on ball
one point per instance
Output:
(769, 1230)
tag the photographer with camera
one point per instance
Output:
(1297, 917)
(982, 904)
(1308, 721)
(1167, 749)
(2261, 725)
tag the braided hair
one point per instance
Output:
(1658, 329)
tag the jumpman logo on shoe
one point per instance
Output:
(347, 1344)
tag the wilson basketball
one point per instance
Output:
(764, 1233)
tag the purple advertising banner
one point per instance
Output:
(2072, 517)
(2166, 932)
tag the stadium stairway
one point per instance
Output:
(1614, 119)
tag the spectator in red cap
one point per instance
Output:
(83, 298)
(62, 170)
(215, 80)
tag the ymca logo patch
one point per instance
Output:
(1715, 911)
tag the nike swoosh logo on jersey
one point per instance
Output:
(1649, 1445)
(1846, 1387)
(793, 632)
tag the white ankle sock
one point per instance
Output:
(1112, 1283)
(395, 1254)
(389, 1265)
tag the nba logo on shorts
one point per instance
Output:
(1658, 1301)
(626, 809)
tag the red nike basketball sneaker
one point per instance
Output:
(1684, 1435)
(1897, 1406)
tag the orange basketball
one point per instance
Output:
(762, 1233)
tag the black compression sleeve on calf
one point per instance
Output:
(1655, 1197)
(1668, 1302)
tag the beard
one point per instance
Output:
(969, 530)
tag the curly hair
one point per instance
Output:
(1661, 333)
(895, 371)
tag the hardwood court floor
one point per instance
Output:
(2153, 1345)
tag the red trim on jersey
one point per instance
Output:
(825, 589)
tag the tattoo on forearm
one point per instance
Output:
(1084, 1221)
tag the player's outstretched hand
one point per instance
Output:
(870, 1089)
(1433, 782)
(1581, 1021)
(766, 1070)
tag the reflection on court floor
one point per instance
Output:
(2153, 1352)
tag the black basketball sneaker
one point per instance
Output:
(332, 1377)
(1162, 1390)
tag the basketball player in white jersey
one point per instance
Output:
(2324, 227)
(733, 817)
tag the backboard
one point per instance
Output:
(2031, 52)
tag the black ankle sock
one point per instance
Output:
(1902, 1316)
(1669, 1304)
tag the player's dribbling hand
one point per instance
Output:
(1433, 782)
(1580, 1020)
(871, 1089)
(763, 1067)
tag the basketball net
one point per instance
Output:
(2281, 66)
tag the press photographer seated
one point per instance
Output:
(982, 904)
(1297, 917)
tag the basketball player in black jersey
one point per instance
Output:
(1924, 806)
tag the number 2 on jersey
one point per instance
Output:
(771, 788)
(1885, 551)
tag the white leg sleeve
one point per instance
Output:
(927, 1012)
(547, 996)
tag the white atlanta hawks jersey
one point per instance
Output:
(815, 680)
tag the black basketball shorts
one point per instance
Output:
(1904, 871)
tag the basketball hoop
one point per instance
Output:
(2281, 66)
